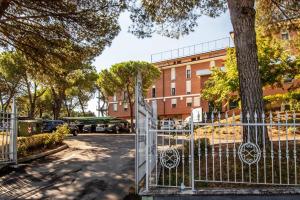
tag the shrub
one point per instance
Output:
(27, 145)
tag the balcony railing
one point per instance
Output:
(204, 47)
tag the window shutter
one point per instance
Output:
(189, 100)
(173, 74)
(196, 101)
(174, 101)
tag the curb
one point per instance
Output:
(43, 154)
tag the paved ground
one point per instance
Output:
(96, 166)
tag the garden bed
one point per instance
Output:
(39, 143)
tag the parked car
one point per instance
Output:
(73, 129)
(89, 128)
(117, 128)
(51, 125)
(167, 125)
(100, 128)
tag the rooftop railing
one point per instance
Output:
(204, 47)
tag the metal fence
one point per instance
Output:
(204, 47)
(8, 136)
(225, 150)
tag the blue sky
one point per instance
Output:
(128, 47)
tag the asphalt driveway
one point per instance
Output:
(95, 166)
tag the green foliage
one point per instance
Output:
(171, 18)
(292, 98)
(223, 83)
(48, 31)
(275, 65)
(121, 77)
(40, 142)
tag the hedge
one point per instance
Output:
(40, 142)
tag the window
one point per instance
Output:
(188, 87)
(188, 71)
(173, 74)
(196, 101)
(153, 92)
(233, 104)
(174, 102)
(115, 97)
(189, 101)
(173, 90)
(285, 35)
(125, 106)
(115, 107)
(212, 63)
(125, 96)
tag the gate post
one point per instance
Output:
(13, 133)
(192, 152)
(147, 151)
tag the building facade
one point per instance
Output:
(183, 75)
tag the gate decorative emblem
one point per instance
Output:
(249, 153)
(169, 158)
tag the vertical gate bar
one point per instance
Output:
(241, 135)
(287, 148)
(163, 147)
(264, 145)
(182, 139)
(213, 145)
(192, 152)
(147, 152)
(248, 140)
(156, 153)
(3, 135)
(7, 135)
(136, 160)
(190, 158)
(176, 142)
(227, 149)
(295, 151)
(234, 147)
(220, 145)
(199, 156)
(272, 148)
(14, 131)
(256, 142)
(279, 147)
(169, 137)
(206, 154)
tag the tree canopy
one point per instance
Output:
(276, 65)
(58, 30)
(121, 77)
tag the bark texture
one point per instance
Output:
(242, 15)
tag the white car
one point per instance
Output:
(101, 127)
(168, 125)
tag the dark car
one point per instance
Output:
(118, 128)
(51, 125)
(89, 128)
(73, 129)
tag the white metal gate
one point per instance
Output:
(259, 149)
(8, 136)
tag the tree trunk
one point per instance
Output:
(242, 15)
(4, 4)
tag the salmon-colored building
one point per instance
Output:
(183, 75)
